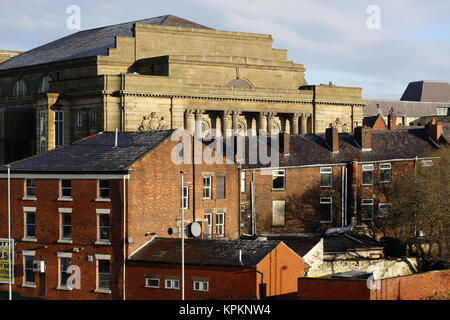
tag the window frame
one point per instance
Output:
(60, 272)
(379, 211)
(367, 170)
(99, 226)
(58, 125)
(275, 175)
(384, 169)
(43, 127)
(330, 173)
(100, 188)
(369, 202)
(25, 269)
(61, 188)
(426, 163)
(207, 188)
(98, 274)
(20, 88)
(61, 225)
(328, 201)
(147, 279)
(200, 282)
(27, 224)
(79, 119)
(224, 186)
(185, 198)
(220, 225)
(243, 181)
(208, 224)
(44, 85)
(27, 195)
(172, 281)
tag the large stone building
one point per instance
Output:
(160, 73)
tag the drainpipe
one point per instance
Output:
(345, 196)
(252, 190)
(124, 235)
(354, 165)
(9, 233)
(239, 199)
(342, 197)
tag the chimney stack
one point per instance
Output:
(434, 129)
(363, 136)
(332, 138)
(392, 120)
(284, 142)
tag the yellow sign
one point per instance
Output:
(4, 261)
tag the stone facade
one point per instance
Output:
(175, 75)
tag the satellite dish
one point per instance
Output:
(195, 228)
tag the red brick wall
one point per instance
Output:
(327, 289)
(224, 283)
(84, 235)
(281, 268)
(435, 284)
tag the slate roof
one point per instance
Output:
(205, 252)
(386, 145)
(88, 43)
(427, 91)
(93, 154)
(403, 108)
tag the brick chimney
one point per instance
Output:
(284, 142)
(434, 129)
(363, 136)
(392, 120)
(332, 138)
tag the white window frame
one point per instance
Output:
(208, 224)
(381, 212)
(63, 255)
(367, 202)
(200, 285)
(426, 163)
(101, 212)
(386, 166)
(279, 173)
(367, 168)
(61, 188)
(26, 224)
(327, 200)
(148, 279)
(207, 189)
(327, 171)
(61, 226)
(185, 198)
(33, 187)
(220, 227)
(170, 284)
(100, 188)
(243, 181)
(98, 258)
(28, 253)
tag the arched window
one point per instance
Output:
(45, 84)
(238, 83)
(20, 88)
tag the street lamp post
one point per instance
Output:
(182, 235)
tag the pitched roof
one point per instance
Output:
(386, 145)
(88, 43)
(205, 252)
(403, 108)
(427, 91)
(94, 154)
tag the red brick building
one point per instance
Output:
(90, 204)
(326, 181)
(235, 269)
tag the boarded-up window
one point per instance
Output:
(220, 187)
(278, 212)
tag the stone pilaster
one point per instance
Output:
(262, 123)
(189, 123)
(294, 120)
(227, 123)
(303, 124)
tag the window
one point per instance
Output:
(30, 188)
(152, 282)
(206, 187)
(243, 181)
(326, 177)
(426, 163)
(367, 209)
(103, 266)
(208, 225)
(442, 111)
(385, 172)
(45, 84)
(103, 189)
(20, 88)
(383, 209)
(201, 285)
(79, 119)
(28, 274)
(278, 212)
(30, 224)
(367, 174)
(59, 129)
(103, 227)
(172, 284)
(220, 190)
(43, 131)
(185, 198)
(66, 226)
(326, 209)
(93, 118)
(65, 189)
(220, 221)
(278, 179)
(64, 263)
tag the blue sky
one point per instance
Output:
(330, 38)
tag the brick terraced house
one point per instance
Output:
(235, 270)
(328, 180)
(93, 202)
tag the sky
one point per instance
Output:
(378, 45)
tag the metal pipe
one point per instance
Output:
(182, 236)
(9, 233)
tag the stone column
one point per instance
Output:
(270, 122)
(190, 121)
(303, 124)
(235, 121)
(262, 123)
(227, 123)
(294, 121)
(198, 123)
